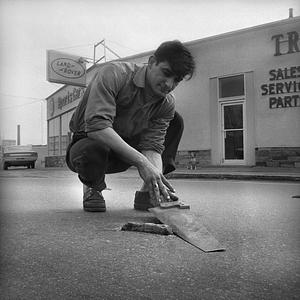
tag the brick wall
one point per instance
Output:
(188, 159)
(268, 157)
(288, 157)
(184, 159)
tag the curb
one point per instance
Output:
(234, 176)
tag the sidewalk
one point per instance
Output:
(211, 172)
(239, 172)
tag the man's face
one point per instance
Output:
(160, 78)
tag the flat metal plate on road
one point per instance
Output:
(188, 227)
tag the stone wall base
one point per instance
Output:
(184, 159)
(285, 157)
(193, 159)
(55, 161)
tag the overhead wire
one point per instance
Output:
(117, 43)
(75, 46)
(36, 100)
(24, 97)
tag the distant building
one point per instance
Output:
(5, 143)
(241, 107)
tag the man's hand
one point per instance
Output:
(172, 195)
(155, 182)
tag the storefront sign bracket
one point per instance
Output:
(105, 47)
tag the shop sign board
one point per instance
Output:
(289, 41)
(64, 100)
(66, 68)
(283, 87)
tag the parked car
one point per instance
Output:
(19, 156)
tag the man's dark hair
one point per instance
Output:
(178, 56)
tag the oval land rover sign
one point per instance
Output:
(67, 68)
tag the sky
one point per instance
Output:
(30, 27)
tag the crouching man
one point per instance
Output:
(127, 118)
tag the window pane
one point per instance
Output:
(51, 142)
(54, 127)
(65, 120)
(53, 139)
(65, 140)
(231, 86)
(56, 146)
(234, 145)
(65, 131)
(233, 116)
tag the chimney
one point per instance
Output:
(18, 135)
(290, 13)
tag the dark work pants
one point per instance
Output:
(91, 159)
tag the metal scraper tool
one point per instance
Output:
(176, 203)
(187, 226)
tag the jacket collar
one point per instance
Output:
(139, 78)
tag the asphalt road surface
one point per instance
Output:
(51, 249)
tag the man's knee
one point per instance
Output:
(178, 122)
(88, 153)
(88, 158)
(175, 129)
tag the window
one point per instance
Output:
(53, 139)
(65, 131)
(231, 86)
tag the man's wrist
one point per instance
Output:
(154, 158)
(141, 161)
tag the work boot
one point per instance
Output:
(93, 201)
(142, 201)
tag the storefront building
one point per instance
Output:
(242, 107)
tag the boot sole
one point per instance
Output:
(94, 206)
(95, 209)
(143, 207)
